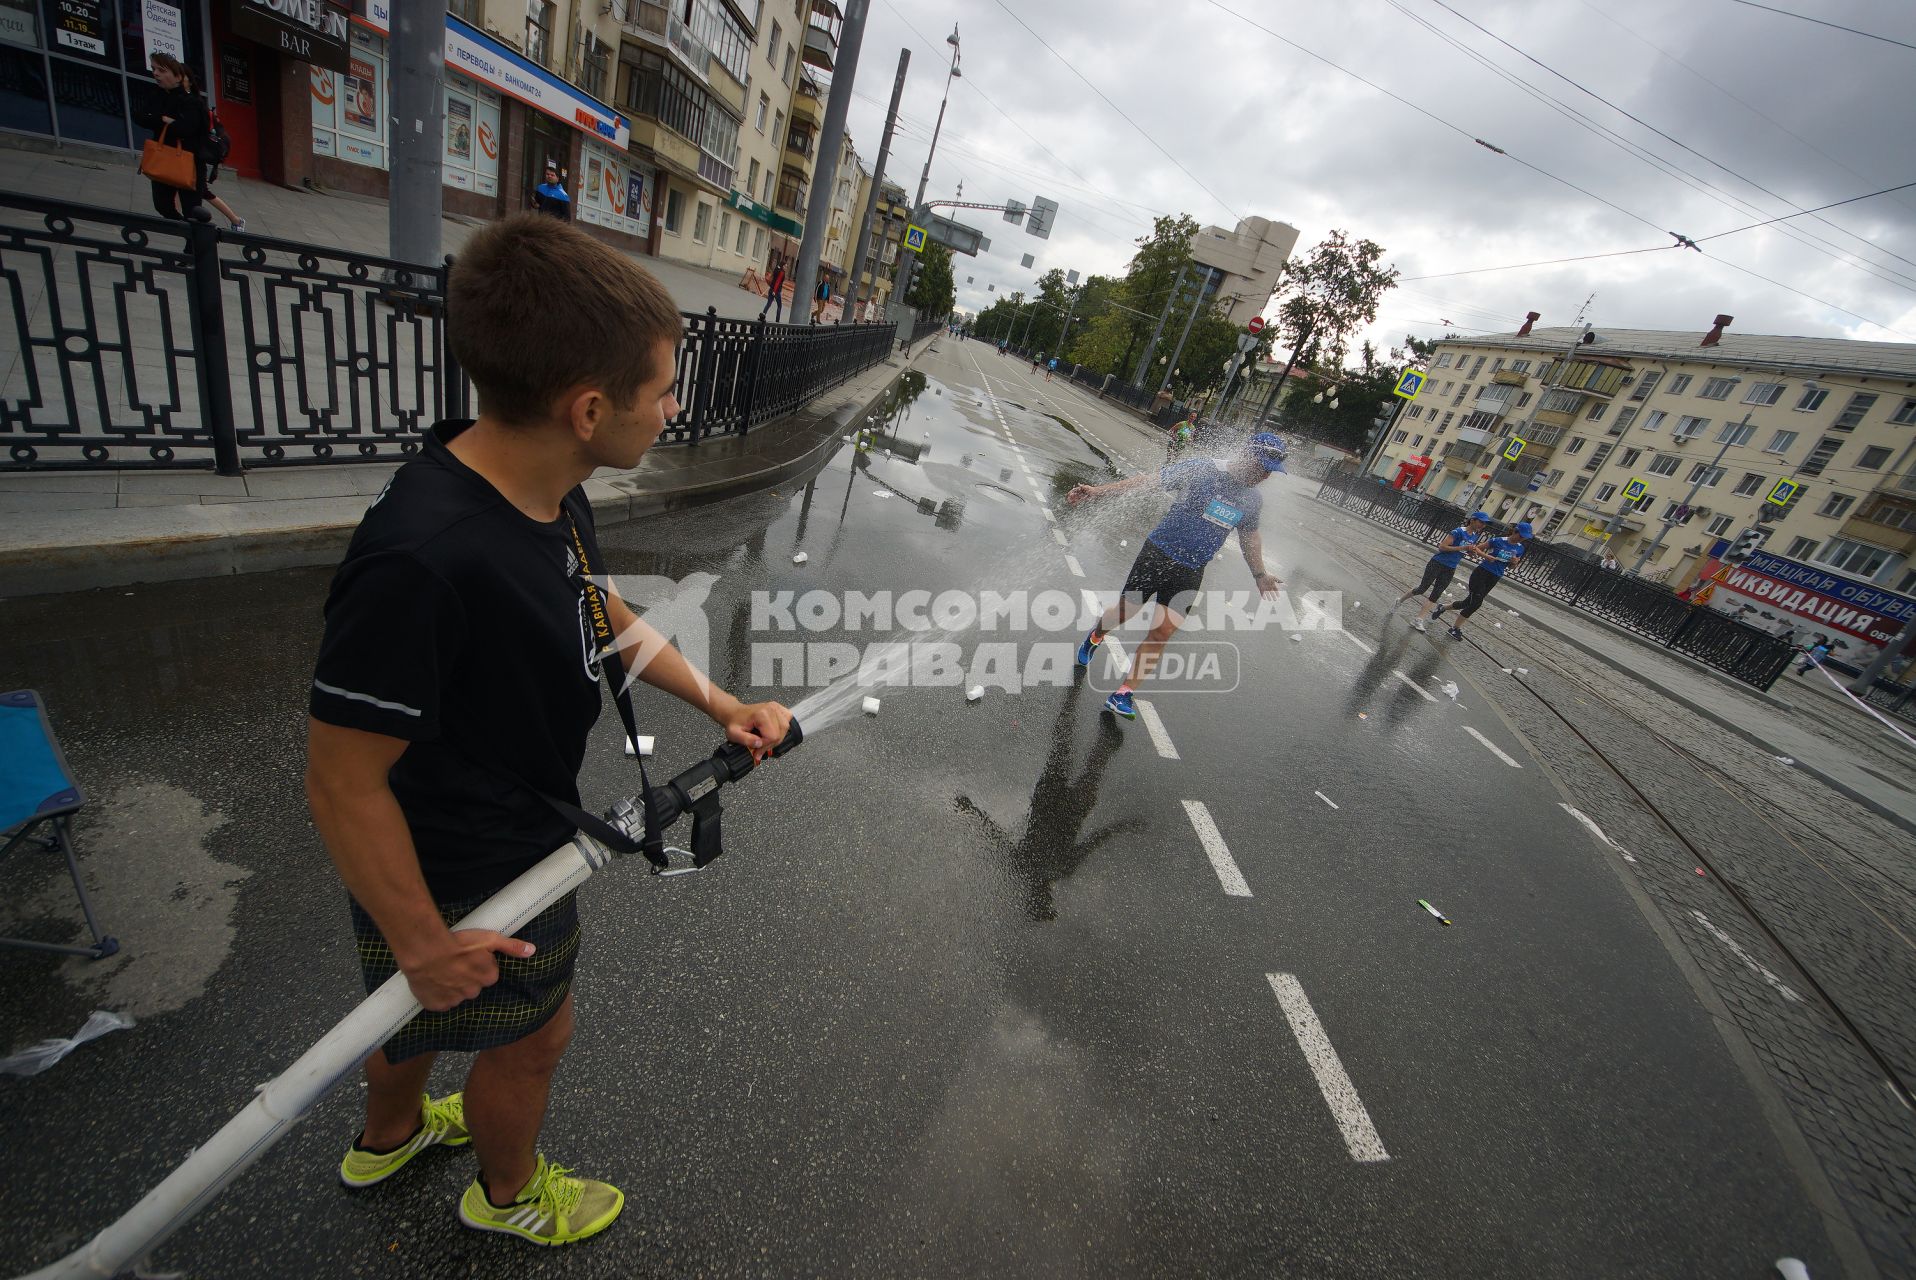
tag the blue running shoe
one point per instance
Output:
(1121, 704)
(1086, 647)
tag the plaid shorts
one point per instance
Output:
(527, 993)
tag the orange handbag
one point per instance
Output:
(168, 165)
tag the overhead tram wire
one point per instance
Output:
(1674, 141)
(1804, 17)
(1222, 203)
(1637, 151)
(1547, 262)
(1785, 217)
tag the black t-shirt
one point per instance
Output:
(458, 623)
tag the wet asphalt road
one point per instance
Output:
(967, 995)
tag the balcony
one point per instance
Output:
(1887, 519)
(821, 35)
(799, 142)
(1513, 479)
(1472, 435)
(1490, 406)
(1559, 419)
(1593, 377)
(807, 108)
(792, 194)
(1508, 378)
(1466, 455)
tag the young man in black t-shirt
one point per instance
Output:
(456, 685)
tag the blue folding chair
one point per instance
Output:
(38, 799)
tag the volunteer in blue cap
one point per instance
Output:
(1213, 499)
(1496, 555)
(1441, 567)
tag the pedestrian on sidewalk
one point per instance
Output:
(550, 196)
(1051, 368)
(775, 292)
(821, 296)
(1213, 499)
(177, 118)
(1813, 656)
(1610, 561)
(1184, 435)
(1037, 358)
(456, 687)
(1496, 555)
(1442, 567)
(212, 154)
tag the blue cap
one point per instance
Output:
(1479, 516)
(1268, 448)
(1523, 529)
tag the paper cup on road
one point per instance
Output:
(871, 706)
(800, 558)
(974, 693)
(644, 748)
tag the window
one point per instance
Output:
(1400, 437)
(467, 9)
(595, 65)
(1477, 368)
(1575, 446)
(1416, 411)
(1523, 399)
(1894, 517)
(1596, 411)
(1443, 361)
(1721, 525)
(1873, 458)
(778, 124)
(1461, 393)
(1764, 393)
(701, 222)
(674, 210)
(1597, 455)
(1905, 413)
(1670, 510)
(1520, 366)
(1859, 404)
(1749, 484)
(1561, 402)
(765, 196)
(1781, 442)
(771, 50)
(1836, 506)
(1630, 457)
(662, 90)
(1625, 417)
(751, 178)
(1735, 433)
(1447, 387)
(1555, 479)
(1605, 492)
(786, 75)
(1706, 474)
(1646, 384)
(1813, 398)
(758, 244)
(1801, 548)
(764, 109)
(1655, 420)
(1446, 422)
(1497, 365)
(538, 30)
(1718, 388)
(1576, 490)
(1416, 441)
(1858, 558)
(1679, 384)
(1689, 428)
(1821, 455)
(1643, 503)
(725, 227)
(744, 227)
(1665, 465)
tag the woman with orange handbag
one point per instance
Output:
(177, 118)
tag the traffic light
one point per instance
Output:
(1746, 544)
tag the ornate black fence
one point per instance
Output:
(1580, 581)
(145, 343)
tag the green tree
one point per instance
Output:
(933, 290)
(1330, 295)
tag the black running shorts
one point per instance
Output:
(1156, 576)
(1436, 578)
(527, 994)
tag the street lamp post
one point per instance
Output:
(909, 266)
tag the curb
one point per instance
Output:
(1841, 788)
(169, 544)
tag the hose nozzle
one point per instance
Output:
(695, 791)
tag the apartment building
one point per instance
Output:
(880, 269)
(849, 179)
(1724, 414)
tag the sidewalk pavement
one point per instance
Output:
(1824, 736)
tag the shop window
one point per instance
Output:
(702, 222)
(674, 210)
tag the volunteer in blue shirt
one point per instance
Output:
(1213, 499)
(1496, 555)
(1442, 567)
(550, 197)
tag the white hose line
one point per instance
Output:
(284, 1102)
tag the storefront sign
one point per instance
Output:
(616, 193)
(490, 63)
(164, 31)
(236, 77)
(17, 25)
(79, 26)
(310, 30)
(1818, 600)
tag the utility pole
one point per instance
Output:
(909, 266)
(1151, 347)
(1172, 366)
(878, 180)
(818, 210)
(418, 134)
(1729, 434)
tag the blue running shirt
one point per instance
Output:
(1451, 559)
(1210, 504)
(1503, 552)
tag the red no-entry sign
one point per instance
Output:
(1256, 325)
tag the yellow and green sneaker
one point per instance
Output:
(440, 1122)
(554, 1208)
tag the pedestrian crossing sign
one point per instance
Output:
(1785, 490)
(1635, 490)
(915, 239)
(1410, 384)
(1514, 449)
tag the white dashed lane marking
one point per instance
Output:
(1414, 687)
(1595, 830)
(1327, 800)
(1155, 727)
(1059, 535)
(1490, 746)
(1214, 848)
(1071, 563)
(1353, 1121)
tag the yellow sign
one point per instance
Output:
(1595, 530)
(1514, 449)
(915, 239)
(1635, 490)
(1410, 384)
(1782, 492)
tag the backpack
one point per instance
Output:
(218, 142)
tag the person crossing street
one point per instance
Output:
(1496, 555)
(1440, 568)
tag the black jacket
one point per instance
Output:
(189, 127)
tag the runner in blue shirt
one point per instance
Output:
(1496, 555)
(1441, 567)
(1213, 499)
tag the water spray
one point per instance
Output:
(281, 1103)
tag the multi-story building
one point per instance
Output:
(1722, 414)
(1243, 264)
(849, 178)
(880, 269)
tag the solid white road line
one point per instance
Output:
(1221, 861)
(1359, 643)
(1419, 689)
(1595, 830)
(1155, 727)
(1071, 563)
(1490, 746)
(1747, 958)
(1327, 800)
(1353, 1121)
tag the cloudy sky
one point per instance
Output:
(1240, 123)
